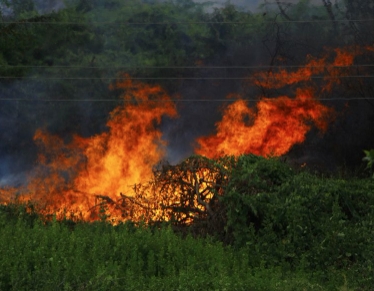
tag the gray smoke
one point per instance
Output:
(199, 109)
(47, 6)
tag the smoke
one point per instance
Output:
(200, 106)
(15, 7)
(252, 5)
(10, 173)
(47, 6)
(244, 5)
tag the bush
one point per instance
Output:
(298, 220)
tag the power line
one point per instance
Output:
(184, 67)
(175, 78)
(184, 22)
(175, 100)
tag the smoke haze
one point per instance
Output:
(222, 58)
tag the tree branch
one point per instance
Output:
(199, 200)
(282, 11)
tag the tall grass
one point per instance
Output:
(99, 256)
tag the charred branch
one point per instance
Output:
(199, 200)
(136, 201)
(183, 208)
(328, 6)
(282, 11)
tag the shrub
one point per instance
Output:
(298, 220)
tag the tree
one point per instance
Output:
(19, 8)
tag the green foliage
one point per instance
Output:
(289, 230)
(298, 219)
(14, 212)
(369, 159)
(253, 184)
(99, 256)
(19, 8)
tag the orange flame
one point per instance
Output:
(273, 129)
(276, 124)
(70, 176)
(333, 65)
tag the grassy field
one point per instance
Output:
(99, 256)
(284, 230)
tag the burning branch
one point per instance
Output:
(199, 200)
(188, 192)
(135, 201)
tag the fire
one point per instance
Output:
(335, 64)
(276, 124)
(272, 129)
(71, 177)
(115, 169)
(126, 154)
(276, 80)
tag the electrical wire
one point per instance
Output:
(173, 78)
(184, 67)
(176, 100)
(184, 22)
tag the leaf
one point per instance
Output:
(369, 158)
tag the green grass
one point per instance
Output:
(98, 256)
(284, 230)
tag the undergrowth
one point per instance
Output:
(99, 256)
(284, 230)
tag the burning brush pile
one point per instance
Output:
(119, 174)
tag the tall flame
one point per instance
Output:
(272, 129)
(72, 175)
(276, 124)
